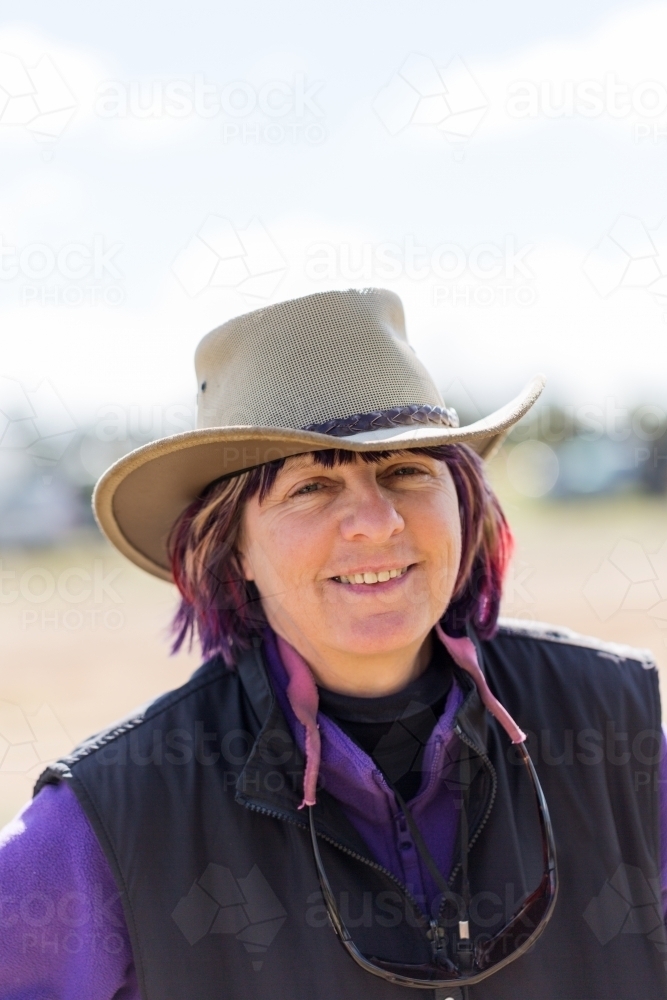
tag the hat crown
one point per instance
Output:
(306, 361)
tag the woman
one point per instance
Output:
(339, 803)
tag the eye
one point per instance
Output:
(408, 470)
(308, 488)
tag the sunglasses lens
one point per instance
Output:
(518, 930)
(424, 973)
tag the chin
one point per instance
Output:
(380, 633)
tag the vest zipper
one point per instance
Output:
(436, 931)
(492, 797)
(345, 850)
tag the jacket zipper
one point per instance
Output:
(345, 850)
(436, 931)
(492, 798)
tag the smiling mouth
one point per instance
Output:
(372, 578)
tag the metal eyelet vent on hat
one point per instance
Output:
(396, 417)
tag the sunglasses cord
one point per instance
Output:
(437, 933)
(437, 876)
(464, 944)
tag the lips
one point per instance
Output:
(370, 578)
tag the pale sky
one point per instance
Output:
(502, 167)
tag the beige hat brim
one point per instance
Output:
(139, 498)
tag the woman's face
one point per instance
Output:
(321, 531)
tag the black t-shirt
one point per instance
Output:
(394, 729)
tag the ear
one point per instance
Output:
(245, 567)
(244, 561)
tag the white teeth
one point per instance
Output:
(371, 578)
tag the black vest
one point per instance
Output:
(195, 802)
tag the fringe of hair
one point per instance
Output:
(223, 610)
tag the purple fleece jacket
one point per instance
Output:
(62, 931)
(350, 775)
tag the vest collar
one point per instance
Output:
(272, 777)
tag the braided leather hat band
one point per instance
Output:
(398, 416)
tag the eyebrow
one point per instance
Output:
(297, 462)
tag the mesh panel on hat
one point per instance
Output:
(310, 360)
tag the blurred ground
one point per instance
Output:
(70, 666)
(83, 634)
(597, 565)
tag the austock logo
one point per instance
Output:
(36, 421)
(71, 274)
(29, 741)
(35, 97)
(219, 903)
(630, 256)
(628, 903)
(274, 111)
(222, 256)
(630, 579)
(446, 98)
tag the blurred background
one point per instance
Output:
(165, 167)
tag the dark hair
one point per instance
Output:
(224, 610)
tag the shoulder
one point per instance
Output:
(552, 674)
(54, 877)
(558, 639)
(52, 827)
(163, 710)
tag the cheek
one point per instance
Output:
(452, 530)
(440, 528)
(285, 555)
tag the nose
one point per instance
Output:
(370, 514)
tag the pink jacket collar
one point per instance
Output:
(304, 699)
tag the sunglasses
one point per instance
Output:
(486, 957)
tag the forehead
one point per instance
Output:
(320, 461)
(331, 457)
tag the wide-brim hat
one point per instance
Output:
(328, 370)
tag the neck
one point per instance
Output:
(362, 676)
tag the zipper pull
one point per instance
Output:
(464, 946)
(437, 937)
